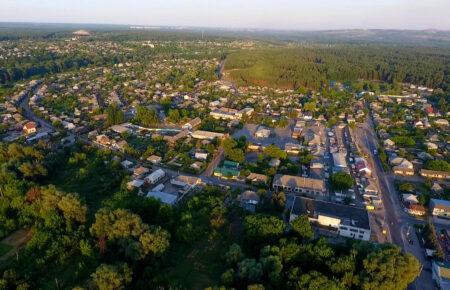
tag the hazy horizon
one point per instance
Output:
(233, 14)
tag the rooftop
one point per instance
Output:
(349, 215)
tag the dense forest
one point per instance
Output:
(313, 66)
(85, 230)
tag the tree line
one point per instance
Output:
(313, 66)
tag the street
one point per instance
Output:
(396, 220)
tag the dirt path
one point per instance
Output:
(16, 240)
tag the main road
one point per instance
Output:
(398, 223)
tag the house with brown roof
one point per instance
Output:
(192, 124)
(29, 127)
(257, 178)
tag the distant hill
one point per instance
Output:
(428, 37)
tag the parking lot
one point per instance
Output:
(279, 136)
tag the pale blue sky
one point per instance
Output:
(276, 14)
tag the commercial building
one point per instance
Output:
(343, 220)
(299, 185)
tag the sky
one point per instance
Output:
(264, 14)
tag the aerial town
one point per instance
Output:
(159, 132)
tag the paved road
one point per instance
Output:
(396, 219)
(29, 114)
(214, 162)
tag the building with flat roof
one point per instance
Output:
(299, 185)
(441, 274)
(344, 220)
(440, 208)
(164, 197)
(206, 135)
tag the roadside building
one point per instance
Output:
(343, 220)
(257, 178)
(224, 113)
(435, 174)
(403, 171)
(440, 208)
(415, 209)
(29, 127)
(441, 274)
(299, 185)
(186, 182)
(229, 169)
(206, 135)
(119, 129)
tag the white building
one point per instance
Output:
(347, 221)
(155, 176)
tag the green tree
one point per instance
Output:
(341, 181)
(146, 117)
(302, 227)
(439, 165)
(263, 228)
(114, 115)
(274, 151)
(389, 268)
(109, 277)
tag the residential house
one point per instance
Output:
(29, 127)
(292, 148)
(140, 171)
(192, 124)
(154, 159)
(440, 208)
(249, 200)
(229, 169)
(257, 178)
(262, 132)
(164, 197)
